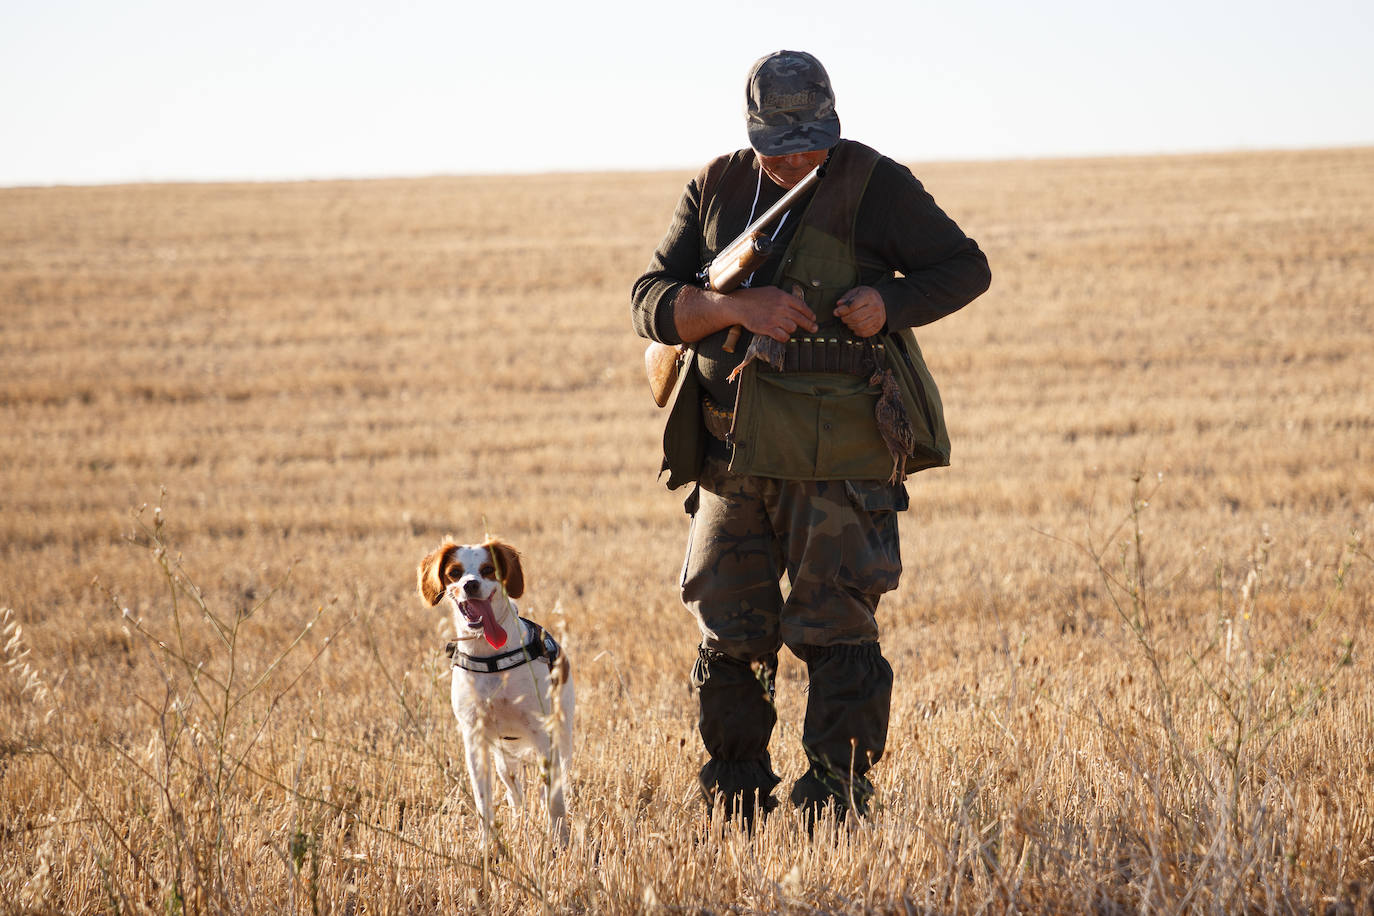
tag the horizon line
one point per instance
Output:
(340, 177)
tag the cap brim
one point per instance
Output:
(786, 139)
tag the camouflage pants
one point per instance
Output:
(836, 544)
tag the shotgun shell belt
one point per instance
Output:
(833, 354)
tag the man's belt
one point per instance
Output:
(718, 419)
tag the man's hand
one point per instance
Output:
(862, 310)
(770, 312)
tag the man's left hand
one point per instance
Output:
(862, 310)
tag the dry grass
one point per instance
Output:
(1130, 643)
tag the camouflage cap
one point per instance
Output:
(789, 106)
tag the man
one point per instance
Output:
(799, 455)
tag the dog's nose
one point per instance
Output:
(472, 588)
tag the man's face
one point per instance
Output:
(786, 171)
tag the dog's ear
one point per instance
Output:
(508, 570)
(431, 582)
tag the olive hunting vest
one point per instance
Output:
(817, 418)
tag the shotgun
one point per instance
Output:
(727, 270)
(733, 272)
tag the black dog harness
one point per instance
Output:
(541, 645)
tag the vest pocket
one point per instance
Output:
(809, 426)
(822, 281)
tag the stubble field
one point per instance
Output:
(1131, 641)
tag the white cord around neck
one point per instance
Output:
(758, 187)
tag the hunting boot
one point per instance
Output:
(736, 720)
(847, 706)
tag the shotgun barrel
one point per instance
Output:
(752, 247)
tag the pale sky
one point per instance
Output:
(154, 90)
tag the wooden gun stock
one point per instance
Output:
(661, 364)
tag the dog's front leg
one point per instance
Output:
(556, 777)
(503, 772)
(560, 734)
(479, 773)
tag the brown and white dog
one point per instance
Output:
(512, 686)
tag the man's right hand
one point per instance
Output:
(771, 312)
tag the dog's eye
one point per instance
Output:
(488, 571)
(454, 572)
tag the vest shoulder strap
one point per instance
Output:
(835, 205)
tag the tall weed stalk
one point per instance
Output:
(209, 713)
(1216, 837)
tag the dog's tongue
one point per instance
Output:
(482, 611)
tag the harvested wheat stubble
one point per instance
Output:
(1128, 642)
